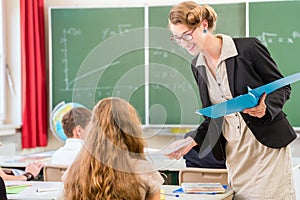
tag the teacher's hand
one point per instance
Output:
(190, 143)
(259, 110)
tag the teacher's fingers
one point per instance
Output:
(178, 156)
(259, 110)
(263, 97)
(174, 155)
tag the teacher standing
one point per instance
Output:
(254, 142)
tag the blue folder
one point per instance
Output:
(249, 100)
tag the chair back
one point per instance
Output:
(203, 175)
(54, 172)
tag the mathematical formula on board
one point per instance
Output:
(68, 33)
(268, 38)
(77, 32)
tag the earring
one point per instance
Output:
(204, 31)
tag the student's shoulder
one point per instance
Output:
(143, 166)
(58, 151)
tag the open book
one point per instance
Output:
(205, 188)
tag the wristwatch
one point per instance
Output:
(29, 176)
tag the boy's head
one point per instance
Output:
(75, 121)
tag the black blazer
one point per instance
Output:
(253, 67)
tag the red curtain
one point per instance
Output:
(34, 96)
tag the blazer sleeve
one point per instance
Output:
(268, 71)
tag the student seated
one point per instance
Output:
(207, 160)
(32, 170)
(74, 124)
(112, 164)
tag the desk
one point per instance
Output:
(168, 167)
(30, 193)
(21, 161)
(296, 174)
(296, 162)
(169, 188)
(160, 161)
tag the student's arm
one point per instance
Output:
(7, 177)
(31, 171)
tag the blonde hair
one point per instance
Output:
(191, 14)
(103, 168)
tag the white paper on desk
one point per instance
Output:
(175, 146)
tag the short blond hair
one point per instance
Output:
(74, 117)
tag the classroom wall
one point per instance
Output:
(11, 139)
(13, 59)
(14, 109)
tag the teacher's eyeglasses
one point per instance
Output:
(186, 37)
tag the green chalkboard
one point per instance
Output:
(173, 93)
(96, 55)
(277, 25)
(101, 52)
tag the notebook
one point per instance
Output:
(208, 188)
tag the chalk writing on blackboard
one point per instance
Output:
(268, 38)
(174, 86)
(296, 34)
(164, 54)
(68, 86)
(122, 28)
(64, 42)
(72, 31)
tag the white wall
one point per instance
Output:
(2, 65)
(13, 59)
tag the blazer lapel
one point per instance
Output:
(203, 85)
(230, 64)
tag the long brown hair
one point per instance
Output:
(103, 168)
